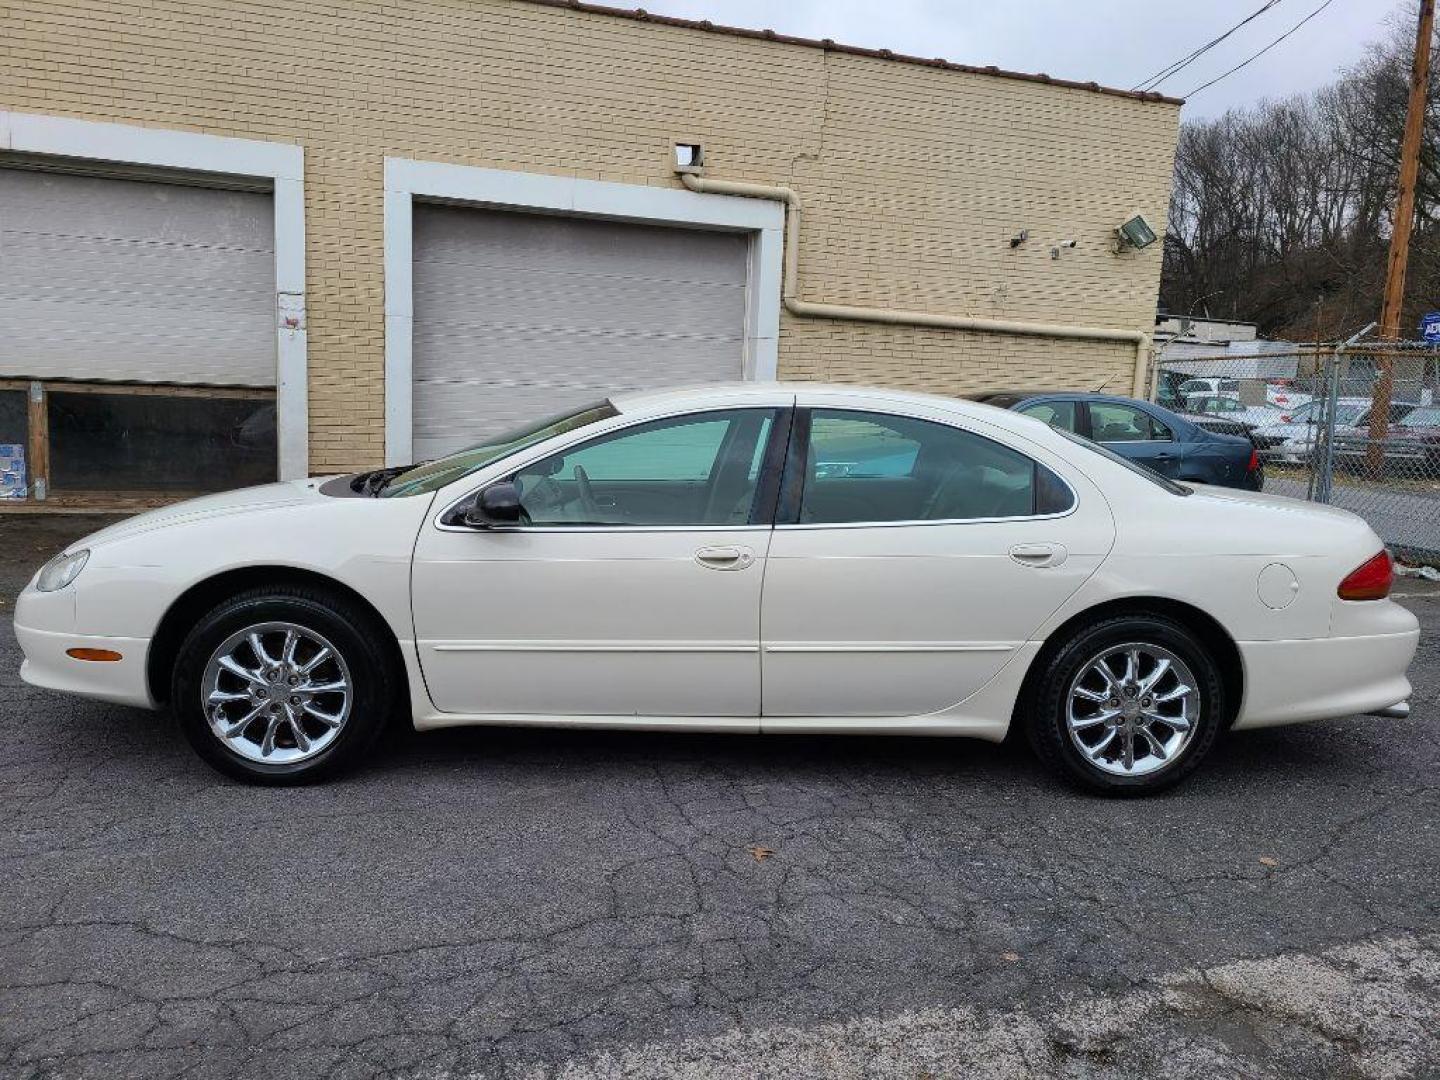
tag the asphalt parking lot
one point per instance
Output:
(546, 904)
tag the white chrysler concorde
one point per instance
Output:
(751, 558)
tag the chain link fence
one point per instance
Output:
(1355, 424)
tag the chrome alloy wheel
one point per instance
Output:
(1133, 709)
(276, 693)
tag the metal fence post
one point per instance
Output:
(1324, 485)
(1325, 371)
(1324, 463)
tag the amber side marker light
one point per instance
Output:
(103, 655)
(1370, 580)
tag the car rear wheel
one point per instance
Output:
(282, 685)
(1128, 706)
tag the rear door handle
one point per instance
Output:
(725, 558)
(1039, 554)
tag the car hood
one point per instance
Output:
(242, 500)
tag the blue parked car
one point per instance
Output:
(1146, 434)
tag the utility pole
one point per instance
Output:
(1404, 218)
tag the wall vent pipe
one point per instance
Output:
(805, 309)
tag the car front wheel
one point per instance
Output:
(282, 685)
(1128, 706)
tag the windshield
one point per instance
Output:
(1119, 459)
(1348, 414)
(1426, 417)
(432, 475)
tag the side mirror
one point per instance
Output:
(498, 504)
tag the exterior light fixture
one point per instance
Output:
(1134, 233)
(689, 157)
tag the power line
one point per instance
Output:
(1185, 61)
(1189, 58)
(1262, 52)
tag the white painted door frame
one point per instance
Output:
(282, 164)
(407, 180)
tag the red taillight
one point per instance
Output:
(1254, 460)
(1369, 581)
(1285, 418)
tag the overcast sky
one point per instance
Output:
(1115, 42)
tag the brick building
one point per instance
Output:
(238, 239)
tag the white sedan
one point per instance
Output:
(751, 558)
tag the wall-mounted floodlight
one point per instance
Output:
(689, 157)
(1135, 233)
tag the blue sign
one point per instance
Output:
(1430, 326)
(12, 471)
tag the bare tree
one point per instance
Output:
(1280, 213)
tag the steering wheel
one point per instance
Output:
(587, 494)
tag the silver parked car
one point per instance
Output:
(1297, 437)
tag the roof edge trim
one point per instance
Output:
(705, 25)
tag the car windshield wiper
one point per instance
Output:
(373, 482)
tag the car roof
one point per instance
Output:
(753, 393)
(1071, 395)
(658, 403)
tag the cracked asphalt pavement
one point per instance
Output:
(489, 903)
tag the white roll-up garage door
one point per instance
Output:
(519, 316)
(134, 280)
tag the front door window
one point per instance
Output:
(697, 470)
(1112, 423)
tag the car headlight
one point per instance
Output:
(61, 570)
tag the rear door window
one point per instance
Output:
(875, 467)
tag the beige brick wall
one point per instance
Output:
(913, 178)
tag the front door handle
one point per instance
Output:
(725, 558)
(1039, 554)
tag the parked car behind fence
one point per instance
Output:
(1322, 447)
(1410, 450)
(1298, 438)
(1258, 419)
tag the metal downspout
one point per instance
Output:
(789, 293)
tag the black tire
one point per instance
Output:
(1046, 721)
(349, 629)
